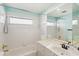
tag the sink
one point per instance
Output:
(63, 52)
(60, 51)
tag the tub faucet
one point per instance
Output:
(4, 47)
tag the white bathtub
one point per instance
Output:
(29, 50)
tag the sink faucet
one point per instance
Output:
(69, 43)
(65, 45)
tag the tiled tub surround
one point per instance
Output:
(28, 50)
(19, 35)
(1, 52)
(54, 48)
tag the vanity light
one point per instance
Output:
(64, 11)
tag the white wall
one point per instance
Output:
(51, 32)
(43, 26)
(52, 29)
(2, 17)
(20, 35)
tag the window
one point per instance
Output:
(2, 20)
(50, 24)
(20, 21)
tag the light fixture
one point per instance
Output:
(64, 11)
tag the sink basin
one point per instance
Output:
(60, 51)
(63, 52)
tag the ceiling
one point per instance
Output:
(42, 7)
(33, 7)
(63, 10)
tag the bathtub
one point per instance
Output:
(29, 50)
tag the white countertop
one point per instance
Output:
(55, 46)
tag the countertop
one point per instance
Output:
(55, 46)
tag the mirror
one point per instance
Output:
(75, 24)
(60, 21)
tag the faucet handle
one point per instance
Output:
(63, 45)
(69, 42)
(78, 48)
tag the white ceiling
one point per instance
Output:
(42, 7)
(33, 7)
(63, 10)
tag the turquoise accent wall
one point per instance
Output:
(67, 25)
(76, 27)
(75, 13)
(51, 19)
(19, 11)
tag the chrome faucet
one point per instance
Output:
(65, 45)
(4, 47)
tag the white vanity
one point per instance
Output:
(52, 47)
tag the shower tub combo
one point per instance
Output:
(29, 50)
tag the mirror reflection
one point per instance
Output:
(75, 24)
(61, 19)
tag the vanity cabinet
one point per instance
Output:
(43, 51)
